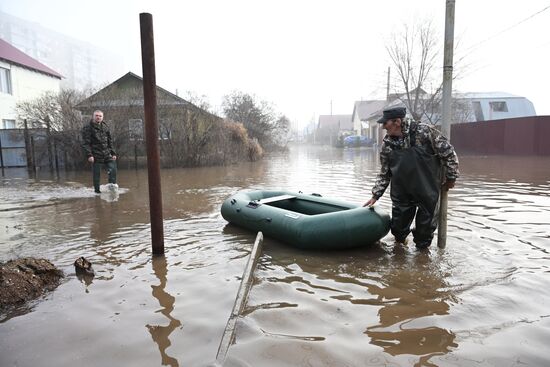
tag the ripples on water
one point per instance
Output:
(481, 301)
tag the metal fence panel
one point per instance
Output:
(13, 148)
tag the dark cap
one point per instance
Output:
(392, 113)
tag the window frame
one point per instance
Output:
(5, 122)
(498, 106)
(135, 133)
(5, 81)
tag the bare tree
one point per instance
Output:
(259, 119)
(56, 114)
(414, 52)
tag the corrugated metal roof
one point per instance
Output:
(12, 55)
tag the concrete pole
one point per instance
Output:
(151, 131)
(446, 109)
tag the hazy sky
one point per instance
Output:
(301, 55)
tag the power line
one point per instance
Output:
(507, 29)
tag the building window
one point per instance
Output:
(5, 81)
(135, 127)
(165, 132)
(498, 106)
(8, 124)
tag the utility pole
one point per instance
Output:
(379, 129)
(446, 110)
(388, 86)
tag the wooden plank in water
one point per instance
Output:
(242, 296)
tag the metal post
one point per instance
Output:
(33, 156)
(151, 131)
(27, 145)
(56, 159)
(1, 156)
(446, 109)
(135, 156)
(49, 141)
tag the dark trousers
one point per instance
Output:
(425, 223)
(109, 166)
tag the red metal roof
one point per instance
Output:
(14, 56)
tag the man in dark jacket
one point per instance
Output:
(98, 145)
(411, 158)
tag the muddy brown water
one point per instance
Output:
(482, 301)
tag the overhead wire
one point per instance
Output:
(507, 29)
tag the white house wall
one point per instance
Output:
(517, 107)
(356, 123)
(25, 85)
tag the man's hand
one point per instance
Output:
(447, 185)
(91, 159)
(114, 157)
(370, 202)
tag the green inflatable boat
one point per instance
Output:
(306, 221)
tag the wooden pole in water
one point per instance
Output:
(240, 301)
(151, 131)
(446, 109)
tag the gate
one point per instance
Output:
(13, 151)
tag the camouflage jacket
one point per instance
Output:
(424, 134)
(97, 141)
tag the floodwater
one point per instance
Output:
(484, 300)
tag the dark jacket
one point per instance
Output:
(97, 142)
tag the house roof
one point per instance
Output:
(394, 96)
(335, 122)
(485, 95)
(164, 97)
(13, 55)
(365, 109)
(134, 81)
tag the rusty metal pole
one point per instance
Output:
(446, 109)
(151, 131)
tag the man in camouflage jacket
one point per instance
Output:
(98, 145)
(411, 157)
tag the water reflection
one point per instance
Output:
(104, 222)
(85, 279)
(415, 290)
(407, 290)
(160, 334)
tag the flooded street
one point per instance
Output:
(484, 300)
